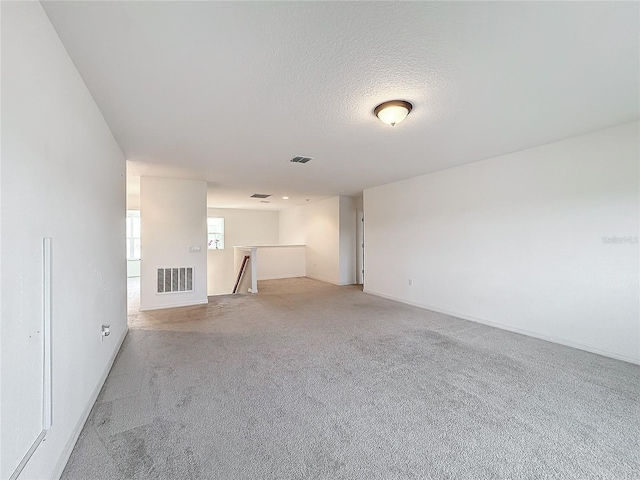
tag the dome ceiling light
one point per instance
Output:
(393, 112)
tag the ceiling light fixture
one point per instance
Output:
(285, 198)
(393, 112)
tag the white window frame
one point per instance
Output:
(210, 242)
(131, 215)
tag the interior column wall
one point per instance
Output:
(173, 220)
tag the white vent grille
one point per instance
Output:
(176, 279)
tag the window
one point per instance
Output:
(133, 234)
(215, 229)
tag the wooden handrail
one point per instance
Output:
(241, 272)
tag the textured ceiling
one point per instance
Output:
(229, 92)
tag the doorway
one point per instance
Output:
(133, 260)
(360, 247)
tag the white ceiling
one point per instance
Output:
(230, 92)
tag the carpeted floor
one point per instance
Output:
(310, 381)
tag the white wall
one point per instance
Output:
(242, 227)
(62, 177)
(173, 218)
(517, 241)
(281, 262)
(316, 225)
(322, 238)
(292, 225)
(330, 252)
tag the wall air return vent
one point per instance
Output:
(301, 159)
(175, 280)
(260, 195)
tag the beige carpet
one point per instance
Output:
(308, 380)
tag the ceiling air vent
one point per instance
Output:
(260, 195)
(301, 159)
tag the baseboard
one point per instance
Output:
(66, 453)
(322, 279)
(186, 304)
(326, 280)
(278, 277)
(522, 331)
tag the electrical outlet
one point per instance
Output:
(194, 249)
(411, 282)
(105, 331)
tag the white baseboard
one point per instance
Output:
(502, 326)
(166, 305)
(66, 453)
(278, 277)
(322, 279)
(326, 280)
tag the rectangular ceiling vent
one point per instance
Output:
(173, 280)
(260, 195)
(301, 159)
